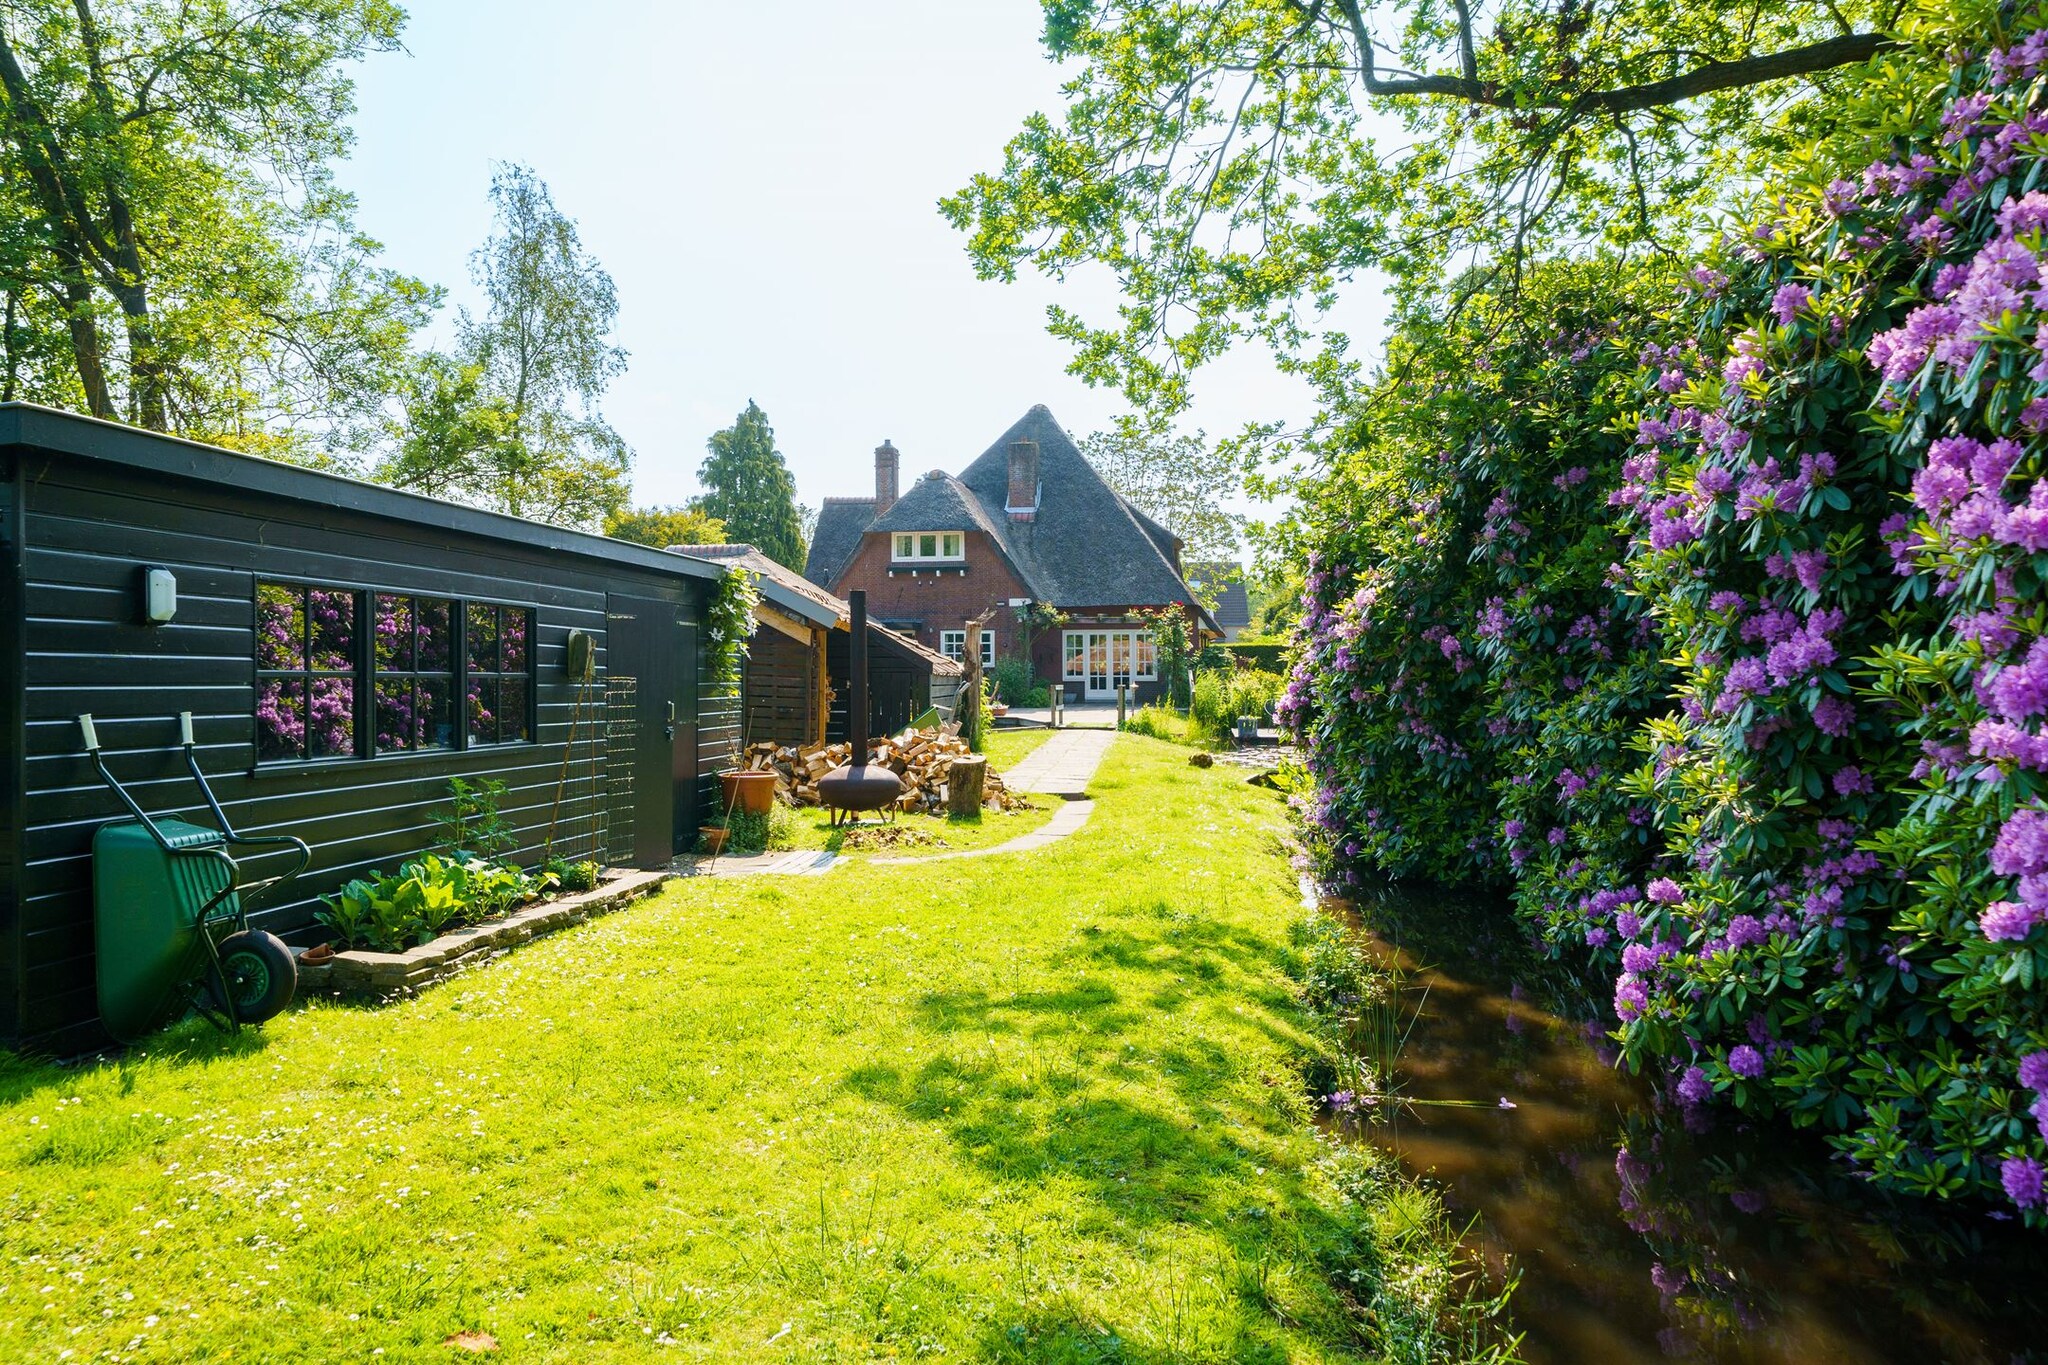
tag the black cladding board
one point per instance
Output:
(89, 526)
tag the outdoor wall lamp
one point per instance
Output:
(159, 596)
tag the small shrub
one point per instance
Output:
(1207, 704)
(746, 832)
(1013, 681)
(573, 877)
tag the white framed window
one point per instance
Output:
(953, 644)
(1104, 660)
(938, 545)
(988, 649)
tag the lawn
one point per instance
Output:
(1042, 1106)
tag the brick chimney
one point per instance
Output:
(1022, 502)
(885, 476)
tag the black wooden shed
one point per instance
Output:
(344, 650)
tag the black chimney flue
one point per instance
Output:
(859, 785)
(857, 704)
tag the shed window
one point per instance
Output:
(415, 672)
(344, 672)
(500, 673)
(305, 671)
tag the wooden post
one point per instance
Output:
(965, 782)
(968, 714)
(1122, 694)
(821, 640)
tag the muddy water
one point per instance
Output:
(1638, 1240)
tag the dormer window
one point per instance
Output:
(931, 545)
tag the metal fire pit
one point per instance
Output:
(860, 785)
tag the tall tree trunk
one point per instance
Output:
(13, 352)
(85, 336)
(146, 370)
(130, 286)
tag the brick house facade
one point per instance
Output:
(1029, 521)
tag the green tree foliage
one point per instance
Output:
(511, 419)
(1179, 481)
(1239, 163)
(173, 251)
(748, 488)
(665, 526)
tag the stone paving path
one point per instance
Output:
(1069, 817)
(1063, 765)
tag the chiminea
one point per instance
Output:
(860, 785)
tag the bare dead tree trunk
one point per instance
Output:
(970, 717)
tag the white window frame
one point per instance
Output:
(1144, 659)
(935, 546)
(953, 644)
(988, 649)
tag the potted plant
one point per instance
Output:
(711, 836)
(752, 792)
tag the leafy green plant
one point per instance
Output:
(1208, 703)
(1013, 681)
(573, 877)
(730, 621)
(472, 823)
(1174, 645)
(426, 898)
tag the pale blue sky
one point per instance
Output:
(761, 183)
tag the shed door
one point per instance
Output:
(645, 640)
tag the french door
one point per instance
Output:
(1103, 661)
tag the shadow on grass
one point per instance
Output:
(190, 1042)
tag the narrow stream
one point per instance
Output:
(1638, 1240)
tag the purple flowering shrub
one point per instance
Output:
(1720, 638)
(1840, 520)
(1470, 676)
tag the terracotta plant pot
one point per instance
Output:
(753, 793)
(317, 954)
(714, 838)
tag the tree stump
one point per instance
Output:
(964, 784)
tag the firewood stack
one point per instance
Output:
(922, 758)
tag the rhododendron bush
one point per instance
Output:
(1804, 831)
(1472, 674)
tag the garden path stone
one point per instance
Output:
(1063, 765)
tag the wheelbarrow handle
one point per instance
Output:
(99, 763)
(228, 830)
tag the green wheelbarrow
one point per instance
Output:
(170, 914)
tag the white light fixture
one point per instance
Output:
(159, 596)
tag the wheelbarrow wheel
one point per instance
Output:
(259, 973)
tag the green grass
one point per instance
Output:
(1039, 1107)
(1007, 748)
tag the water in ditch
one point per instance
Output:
(1638, 1239)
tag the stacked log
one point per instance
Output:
(924, 759)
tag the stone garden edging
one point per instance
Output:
(359, 973)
